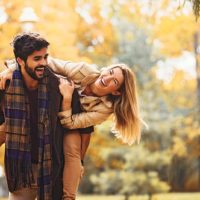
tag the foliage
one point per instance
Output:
(140, 35)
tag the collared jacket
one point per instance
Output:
(96, 109)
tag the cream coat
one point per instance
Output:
(96, 109)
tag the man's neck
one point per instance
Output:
(30, 83)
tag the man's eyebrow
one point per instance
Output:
(46, 55)
(37, 56)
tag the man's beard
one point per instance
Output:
(32, 73)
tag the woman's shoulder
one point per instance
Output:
(83, 74)
(87, 69)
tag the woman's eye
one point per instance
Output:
(115, 82)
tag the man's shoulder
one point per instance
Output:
(53, 83)
(51, 75)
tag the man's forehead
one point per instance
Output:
(41, 52)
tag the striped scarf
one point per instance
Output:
(18, 164)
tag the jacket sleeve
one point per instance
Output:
(11, 64)
(81, 120)
(64, 68)
(70, 69)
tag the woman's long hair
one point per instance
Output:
(127, 121)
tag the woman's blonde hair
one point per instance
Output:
(127, 121)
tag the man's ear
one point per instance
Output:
(116, 93)
(20, 61)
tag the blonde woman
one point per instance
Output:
(102, 93)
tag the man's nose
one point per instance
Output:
(43, 62)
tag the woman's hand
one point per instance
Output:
(4, 76)
(66, 89)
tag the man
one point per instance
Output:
(34, 136)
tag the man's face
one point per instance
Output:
(36, 63)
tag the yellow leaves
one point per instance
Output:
(180, 82)
(180, 90)
(179, 147)
(173, 32)
(116, 164)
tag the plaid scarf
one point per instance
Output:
(18, 164)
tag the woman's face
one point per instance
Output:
(109, 82)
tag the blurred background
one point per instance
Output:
(160, 41)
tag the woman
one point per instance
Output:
(102, 93)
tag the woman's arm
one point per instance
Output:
(81, 120)
(70, 69)
(76, 71)
(4, 77)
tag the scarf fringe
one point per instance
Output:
(19, 172)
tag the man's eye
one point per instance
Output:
(36, 59)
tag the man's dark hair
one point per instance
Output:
(26, 43)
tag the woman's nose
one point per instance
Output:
(108, 78)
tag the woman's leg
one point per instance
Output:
(72, 165)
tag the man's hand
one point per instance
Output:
(4, 76)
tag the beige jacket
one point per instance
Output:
(97, 109)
